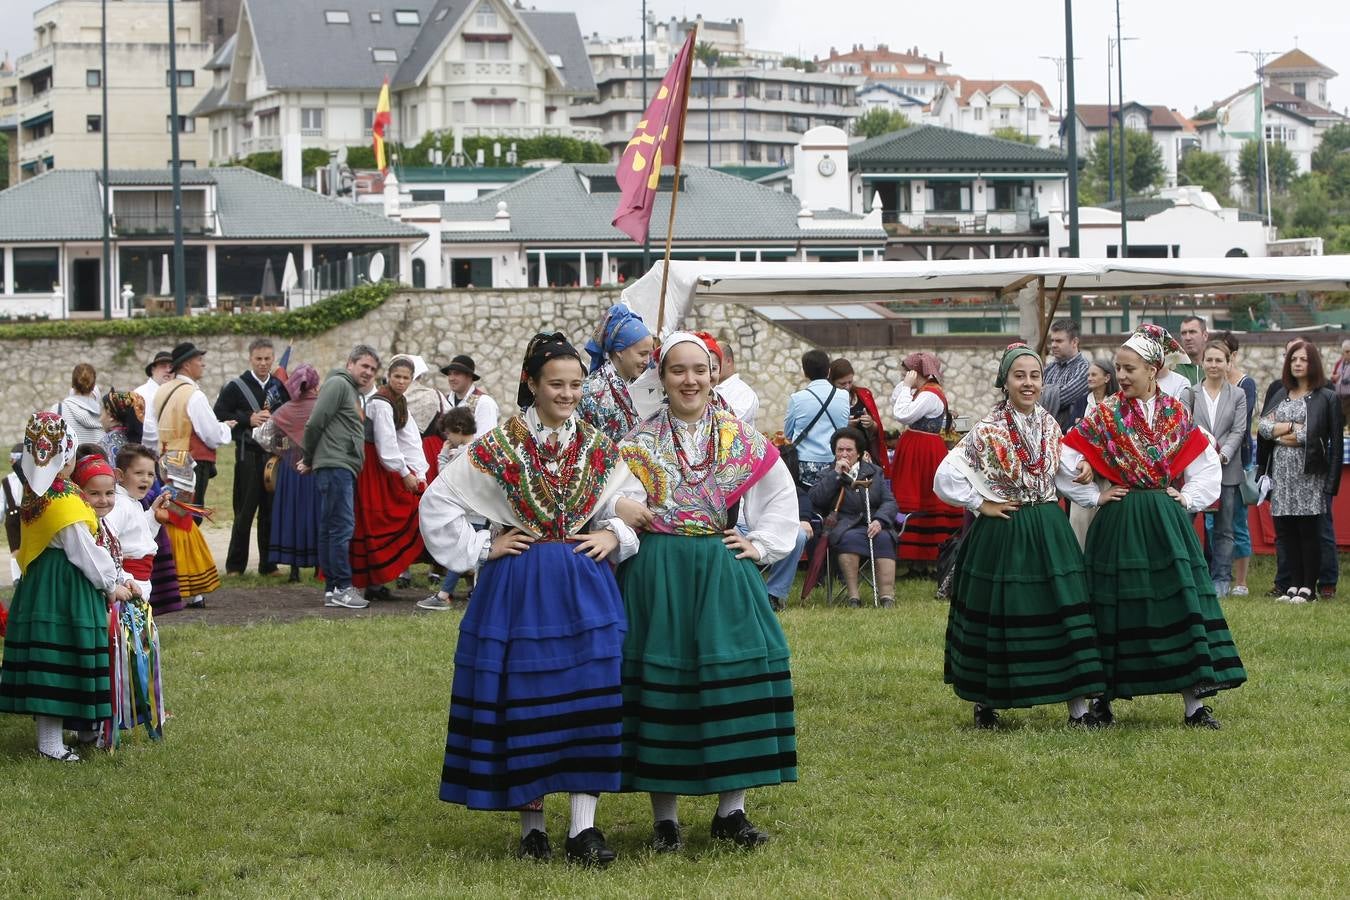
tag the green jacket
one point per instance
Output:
(335, 434)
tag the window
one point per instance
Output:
(220, 24)
(311, 121)
(947, 196)
(368, 119)
(1031, 114)
(186, 125)
(407, 17)
(979, 113)
(1281, 134)
(1010, 195)
(186, 78)
(556, 60)
(337, 17)
(93, 78)
(384, 55)
(436, 195)
(93, 124)
(474, 49)
(485, 16)
(1301, 90)
(376, 17)
(36, 270)
(457, 111)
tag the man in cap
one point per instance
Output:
(464, 391)
(157, 371)
(184, 416)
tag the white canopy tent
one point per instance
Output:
(1036, 278)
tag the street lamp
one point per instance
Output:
(1110, 134)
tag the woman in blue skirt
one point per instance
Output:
(536, 705)
(295, 509)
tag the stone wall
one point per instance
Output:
(494, 326)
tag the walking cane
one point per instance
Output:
(866, 485)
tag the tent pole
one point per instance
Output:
(1054, 307)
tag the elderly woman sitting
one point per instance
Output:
(851, 532)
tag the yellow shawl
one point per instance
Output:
(60, 507)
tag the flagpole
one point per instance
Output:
(674, 197)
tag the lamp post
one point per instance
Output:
(179, 295)
(1120, 98)
(647, 241)
(107, 190)
(1075, 302)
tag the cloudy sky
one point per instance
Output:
(1185, 56)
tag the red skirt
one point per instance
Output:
(917, 457)
(431, 449)
(386, 540)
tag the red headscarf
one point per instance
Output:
(90, 467)
(711, 343)
(926, 364)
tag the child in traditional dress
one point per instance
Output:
(1159, 625)
(137, 527)
(1019, 630)
(457, 429)
(56, 663)
(537, 701)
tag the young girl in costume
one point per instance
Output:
(707, 685)
(56, 651)
(1019, 630)
(196, 567)
(1159, 626)
(537, 703)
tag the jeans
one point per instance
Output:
(778, 577)
(337, 520)
(1221, 538)
(1330, 568)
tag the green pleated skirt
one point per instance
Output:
(1019, 629)
(1159, 625)
(706, 681)
(56, 650)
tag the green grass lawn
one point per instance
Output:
(303, 760)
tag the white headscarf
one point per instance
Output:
(48, 447)
(683, 337)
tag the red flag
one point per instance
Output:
(658, 141)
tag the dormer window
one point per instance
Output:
(337, 17)
(407, 17)
(384, 55)
(376, 17)
(485, 16)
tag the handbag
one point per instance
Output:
(788, 451)
(1249, 489)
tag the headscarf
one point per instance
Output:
(418, 363)
(124, 404)
(424, 402)
(1153, 343)
(682, 337)
(620, 329)
(711, 343)
(926, 364)
(47, 447)
(90, 467)
(304, 378)
(1010, 356)
(543, 347)
(291, 417)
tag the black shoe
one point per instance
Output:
(666, 836)
(737, 829)
(589, 849)
(237, 573)
(1101, 711)
(1086, 720)
(986, 717)
(887, 602)
(378, 593)
(534, 846)
(855, 602)
(777, 603)
(1277, 591)
(1203, 718)
(403, 582)
(294, 577)
(197, 602)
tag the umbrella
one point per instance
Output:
(289, 277)
(269, 282)
(149, 276)
(821, 550)
(164, 273)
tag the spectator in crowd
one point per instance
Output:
(294, 536)
(742, 399)
(862, 412)
(1194, 337)
(122, 417)
(333, 450)
(249, 400)
(855, 535)
(1102, 383)
(185, 420)
(157, 371)
(1065, 375)
(83, 409)
(1300, 450)
(1242, 536)
(813, 414)
(464, 391)
(1221, 410)
(921, 406)
(1340, 380)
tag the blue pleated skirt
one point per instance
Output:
(536, 704)
(295, 519)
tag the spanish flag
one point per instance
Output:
(378, 126)
(658, 141)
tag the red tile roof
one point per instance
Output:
(1297, 59)
(970, 87)
(1094, 115)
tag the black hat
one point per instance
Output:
(463, 364)
(163, 356)
(184, 352)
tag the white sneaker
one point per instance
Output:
(350, 598)
(328, 598)
(435, 601)
(1239, 590)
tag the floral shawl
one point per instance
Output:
(1123, 448)
(988, 449)
(680, 506)
(606, 403)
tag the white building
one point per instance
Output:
(909, 72)
(879, 95)
(315, 67)
(1178, 222)
(1172, 132)
(58, 102)
(985, 106)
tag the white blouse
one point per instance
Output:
(909, 407)
(399, 449)
(134, 527)
(95, 563)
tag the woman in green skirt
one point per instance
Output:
(706, 685)
(56, 650)
(1019, 630)
(1159, 624)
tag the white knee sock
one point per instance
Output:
(730, 801)
(583, 813)
(664, 806)
(49, 735)
(531, 820)
(1078, 707)
(1192, 702)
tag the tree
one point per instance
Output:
(706, 53)
(1209, 171)
(1335, 143)
(878, 121)
(1281, 162)
(1009, 133)
(792, 62)
(1144, 165)
(1310, 204)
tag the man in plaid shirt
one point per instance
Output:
(1065, 376)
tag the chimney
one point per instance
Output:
(940, 56)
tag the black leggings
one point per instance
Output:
(1302, 540)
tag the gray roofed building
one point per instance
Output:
(947, 148)
(561, 36)
(445, 15)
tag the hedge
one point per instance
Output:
(311, 320)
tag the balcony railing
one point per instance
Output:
(126, 224)
(957, 222)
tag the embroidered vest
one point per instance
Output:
(175, 427)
